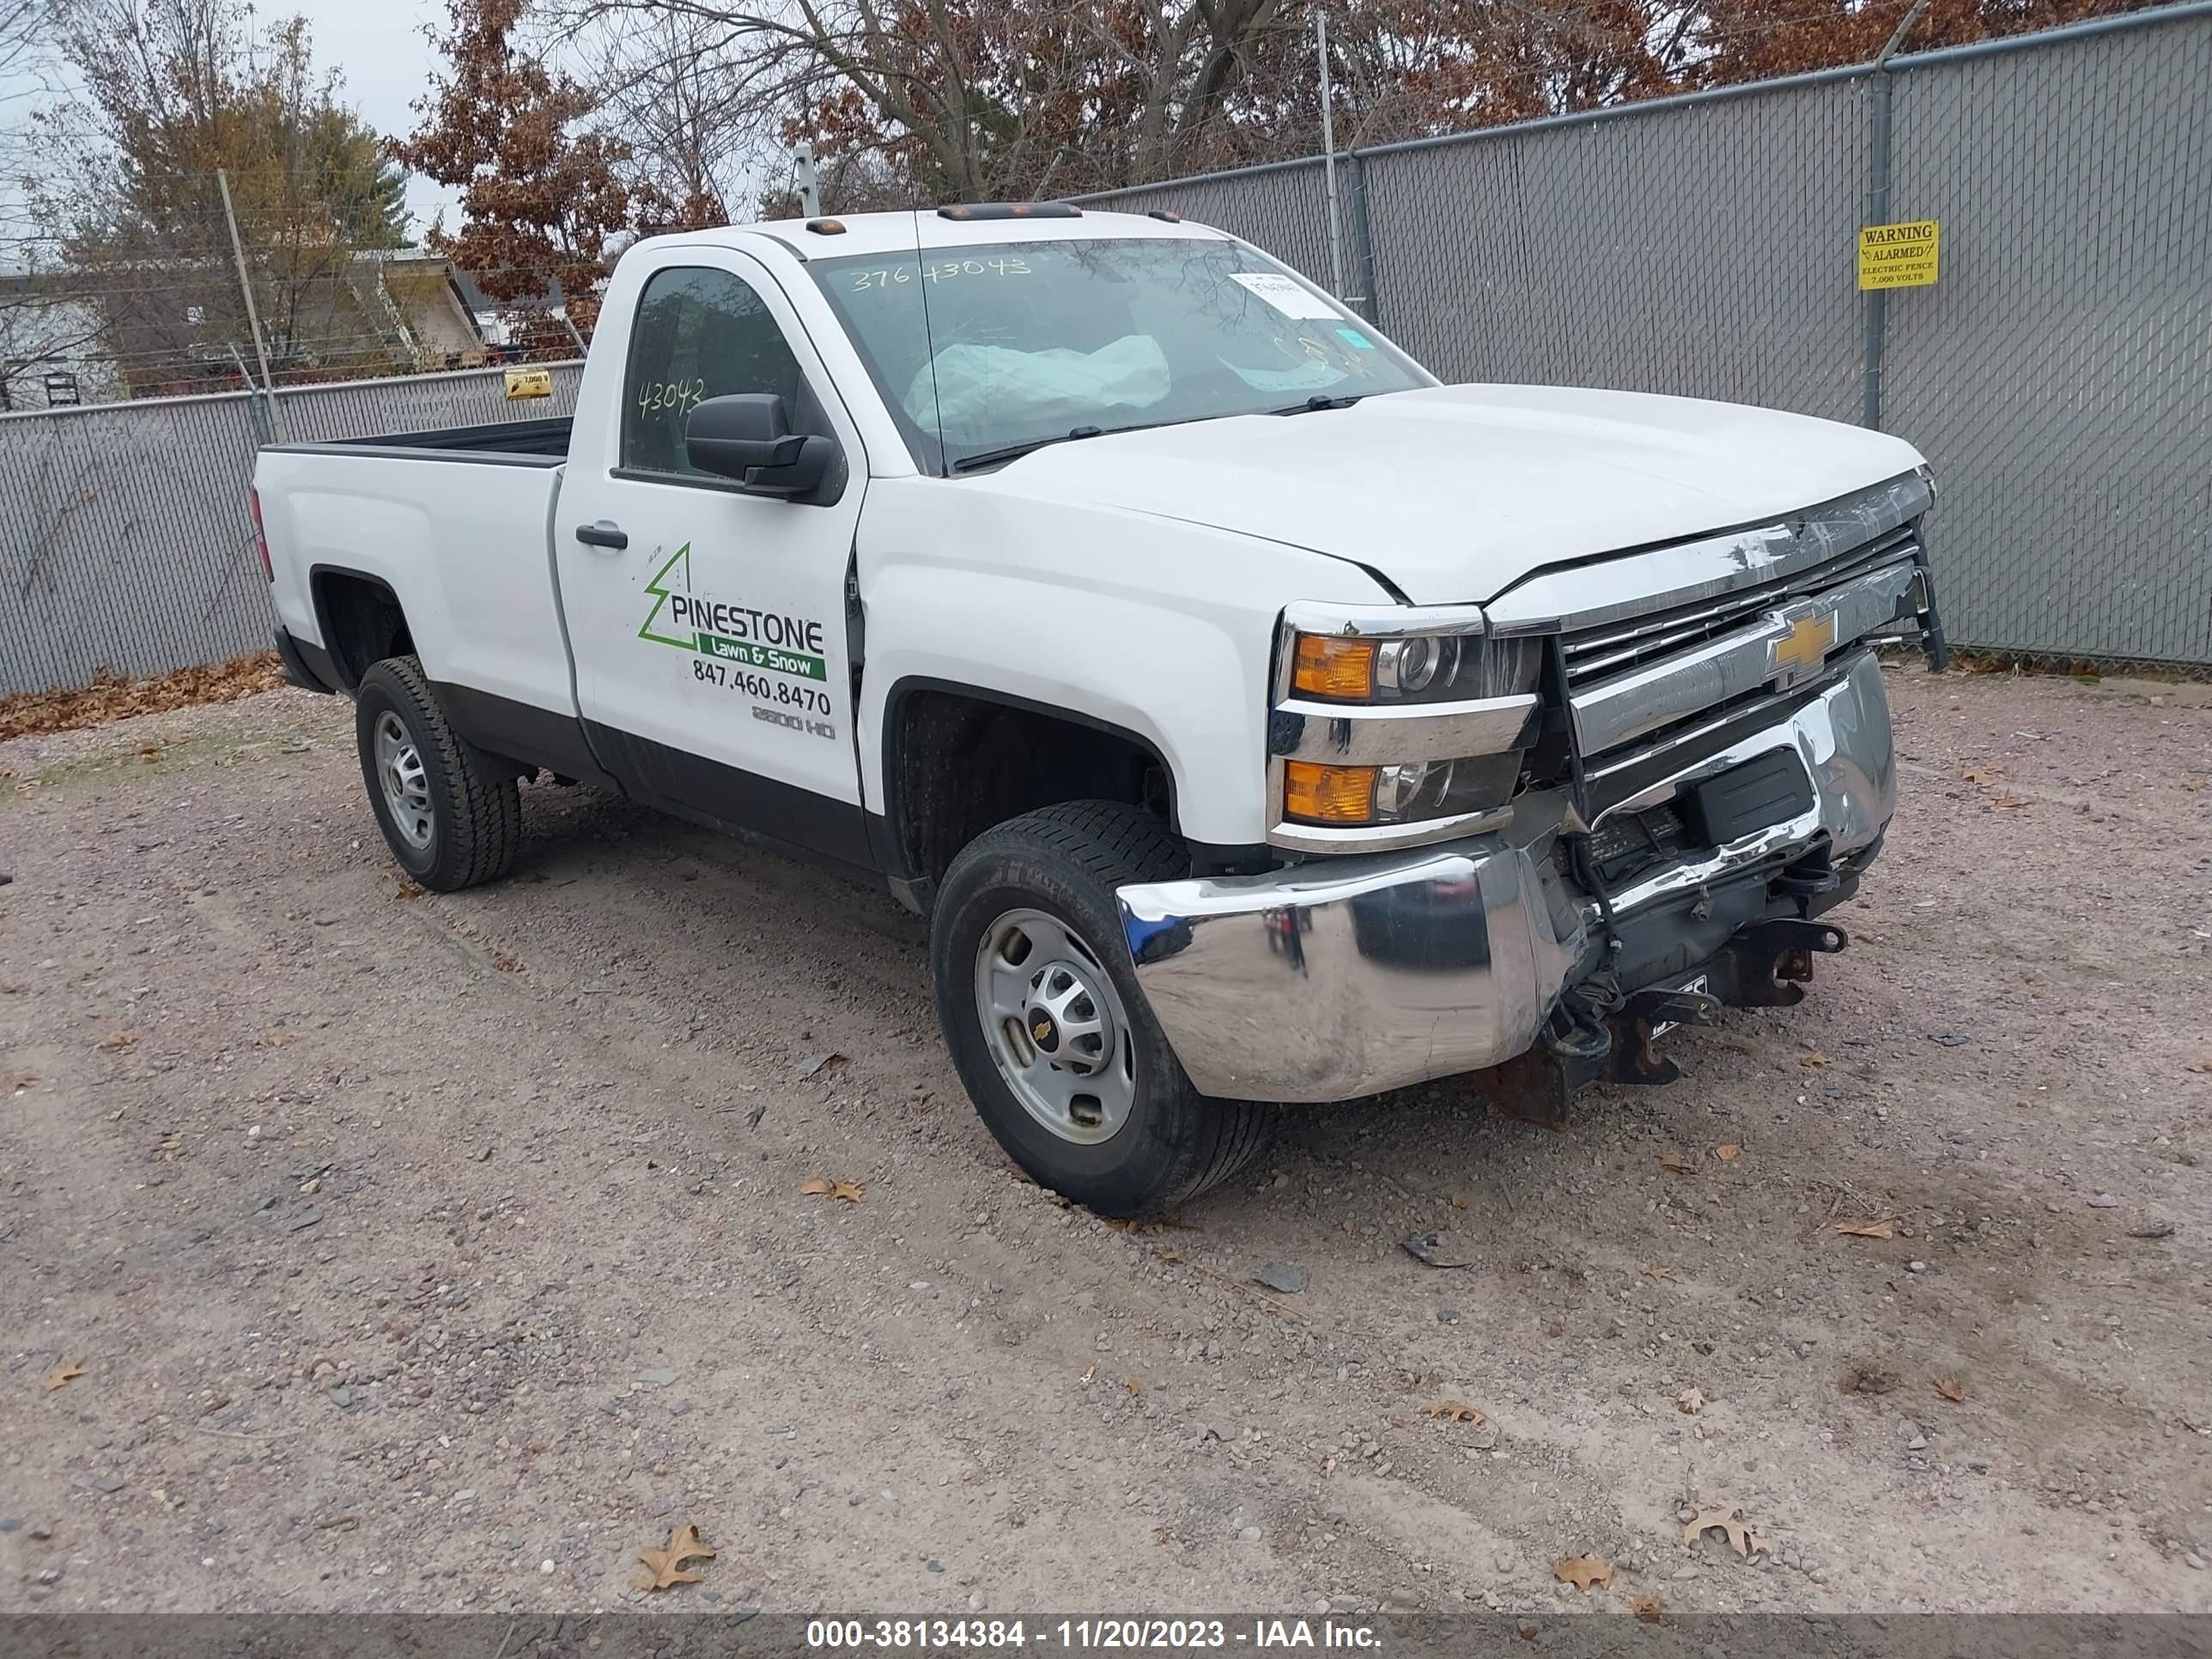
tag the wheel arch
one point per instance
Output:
(917, 850)
(361, 618)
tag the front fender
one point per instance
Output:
(1163, 632)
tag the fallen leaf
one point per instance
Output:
(1675, 1164)
(2007, 801)
(63, 1374)
(1976, 775)
(1950, 1389)
(1816, 1058)
(1459, 1203)
(408, 890)
(276, 1037)
(1727, 1517)
(846, 1192)
(1886, 1228)
(2204, 1065)
(150, 752)
(1436, 1249)
(1728, 1150)
(1136, 1388)
(118, 1040)
(815, 1187)
(1452, 1411)
(1585, 1573)
(1647, 1608)
(505, 963)
(1657, 1270)
(1690, 1402)
(664, 1568)
(22, 1080)
(820, 1063)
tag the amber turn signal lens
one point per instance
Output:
(1329, 667)
(1313, 794)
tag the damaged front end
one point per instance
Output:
(1710, 770)
(1767, 965)
(1513, 954)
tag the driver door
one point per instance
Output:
(708, 626)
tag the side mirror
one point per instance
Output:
(747, 437)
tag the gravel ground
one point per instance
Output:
(426, 1252)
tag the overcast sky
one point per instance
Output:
(378, 47)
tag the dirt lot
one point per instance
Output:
(430, 1253)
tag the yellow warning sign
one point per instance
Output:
(537, 382)
(1898, 256)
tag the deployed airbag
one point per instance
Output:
(975, 393)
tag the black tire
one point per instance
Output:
(474, 809)
(1065, 861)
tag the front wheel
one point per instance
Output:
(1039, 1002)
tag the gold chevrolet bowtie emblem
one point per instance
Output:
(1806, 646)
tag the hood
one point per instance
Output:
(1456, 493)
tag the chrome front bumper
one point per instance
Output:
(1334, 980)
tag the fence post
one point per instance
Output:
(1877, 302)
(1328, 157)
(1362, 237)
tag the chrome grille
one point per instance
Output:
(1596, 654)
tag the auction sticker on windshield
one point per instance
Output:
(1291, 298)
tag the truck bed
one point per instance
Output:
(506, 443)
(457, 521)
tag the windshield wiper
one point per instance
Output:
(1319, 400)
(1015, 452)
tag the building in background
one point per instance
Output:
(173, 330)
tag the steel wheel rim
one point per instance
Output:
(1055, 1026)
(406, 784)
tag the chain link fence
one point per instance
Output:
(2058, 376)
(126, 546)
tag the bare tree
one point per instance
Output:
(661, 84)
(921, 100)
(173, 94)
(969, 99)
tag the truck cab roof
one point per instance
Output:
(901, 231)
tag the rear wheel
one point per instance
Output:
(1041, 1010)
(450, 813)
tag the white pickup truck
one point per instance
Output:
(1254, 719)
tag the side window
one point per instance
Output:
(700, 334)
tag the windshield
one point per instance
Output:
(980, 351)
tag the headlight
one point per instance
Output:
(1351, 797)
(1392, 725)
(1412, 668)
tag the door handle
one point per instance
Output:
(602, 534)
